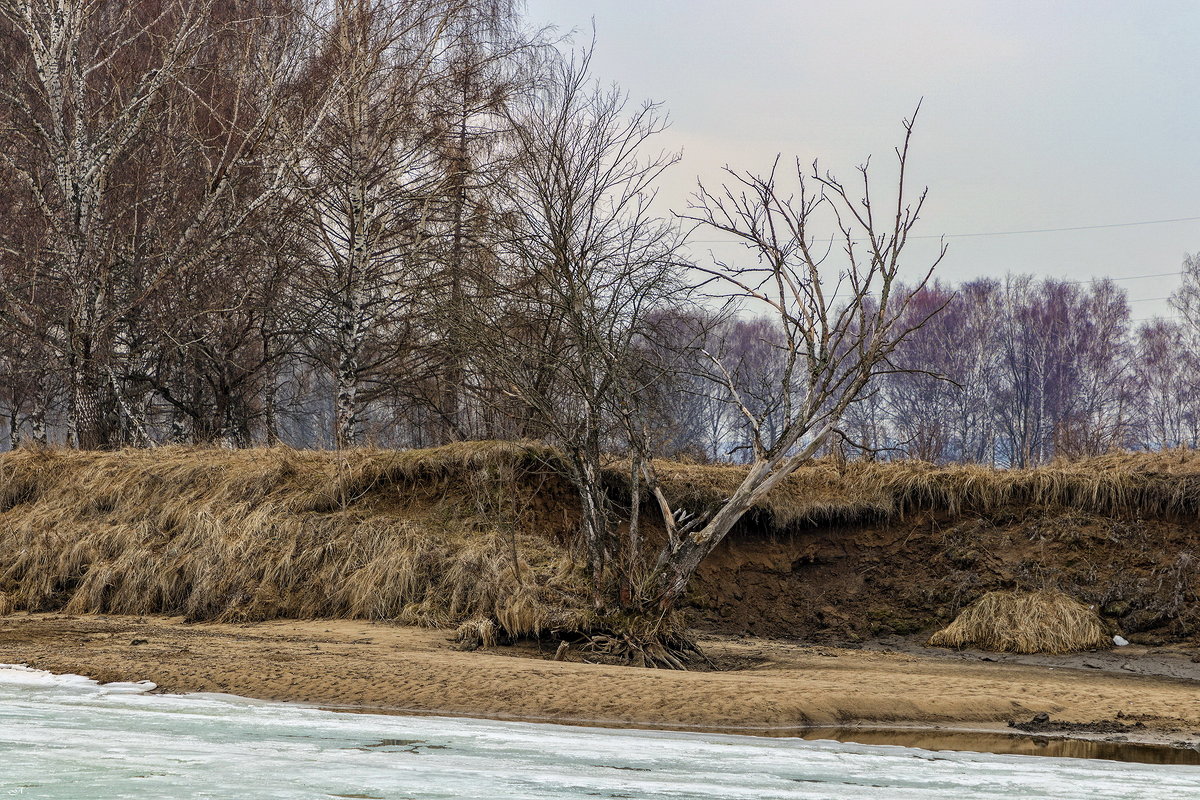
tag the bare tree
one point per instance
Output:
(840, 320)
(371, 181)
(586, 269)
(102, 100)
(490, 61)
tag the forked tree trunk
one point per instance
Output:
(678, 562)
(593, 522)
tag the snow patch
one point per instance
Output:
(22, 675)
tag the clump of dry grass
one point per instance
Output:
(1024, 622)
(475, 633)
(7, 606)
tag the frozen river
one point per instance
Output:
(67, 737)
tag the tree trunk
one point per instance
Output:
(270, 415)
(346, 422)
(451, 400)
(37, 422)
(677, 567)
(88, 422)
(593, 523)
(14, 428)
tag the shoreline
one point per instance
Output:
(995, 738)
(782, 688)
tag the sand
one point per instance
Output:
(779, 685)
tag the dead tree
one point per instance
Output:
(838, 312)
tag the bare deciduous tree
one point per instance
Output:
(840, 321)
(586, 266)
(371, 181)
(102, 100)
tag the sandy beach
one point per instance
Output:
(773, 686)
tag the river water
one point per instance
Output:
(64, 736)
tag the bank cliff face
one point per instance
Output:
(486, 529)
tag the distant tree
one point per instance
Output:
(1166, 381)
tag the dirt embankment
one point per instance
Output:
(904, 576)
(484, 530)
(774, 686)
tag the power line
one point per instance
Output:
(1016, 232)
(1062, 230)
(1175, 274)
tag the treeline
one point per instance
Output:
(1005, 372)
(246, 221)
(1028, 370)
(409, 222)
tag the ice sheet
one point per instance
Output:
(68, 737)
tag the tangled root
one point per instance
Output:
(660, 644)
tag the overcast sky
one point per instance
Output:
(1036, 114)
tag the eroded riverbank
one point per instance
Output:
(779, 688)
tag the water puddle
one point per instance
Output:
(968, 741)
(1006, 744)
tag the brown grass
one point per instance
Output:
(1158, 484)
(1025, 622)
(428, 537)
(475, 633)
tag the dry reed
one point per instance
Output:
(1024, 622)
(475, 633)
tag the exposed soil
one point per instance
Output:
(781, 689)
(910, 576)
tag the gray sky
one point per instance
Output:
(1036, 114)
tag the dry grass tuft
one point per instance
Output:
(7, 606)
(475, 633)
(1025, 622)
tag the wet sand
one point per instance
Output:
(778, 688)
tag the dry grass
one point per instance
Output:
(1025, 622)
(475, 633)
(427, 537)
(1158, 484)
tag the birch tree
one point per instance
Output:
(372, 180)
(98, 89)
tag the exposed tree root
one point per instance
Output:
(661, 644)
